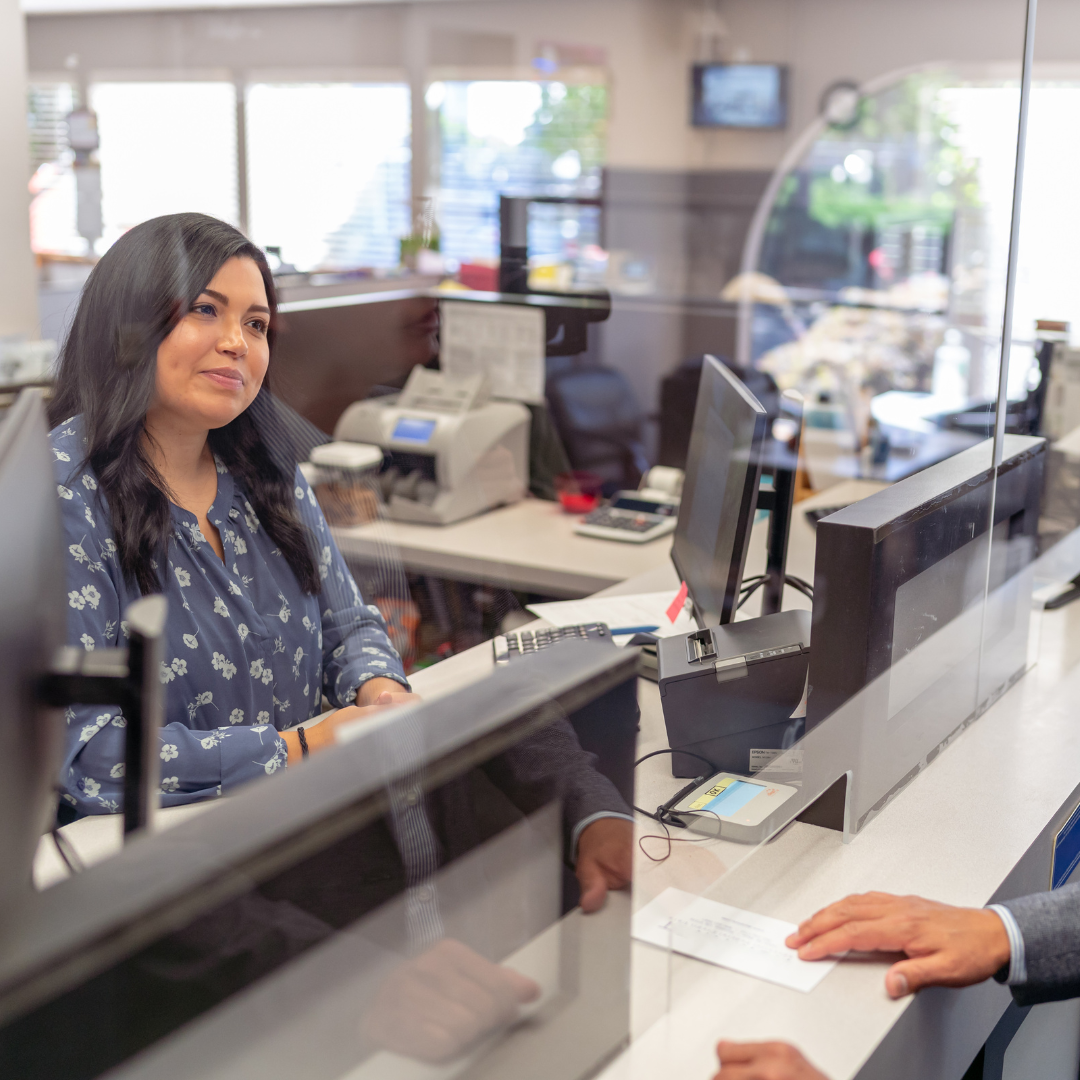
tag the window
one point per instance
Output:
(329, 167)
(166, 148)
(52, 185)
(518, 138)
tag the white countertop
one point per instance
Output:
(530, 545)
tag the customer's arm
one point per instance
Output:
(597, 823)
(1046, 958)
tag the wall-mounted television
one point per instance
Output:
(740, 96)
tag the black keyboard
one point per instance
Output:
(521, 642)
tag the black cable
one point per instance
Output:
(70, 856)
(669, 750)
(790, 581)
(663, 808)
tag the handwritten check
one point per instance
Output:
(729, 937)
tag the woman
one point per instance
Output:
(168, 483)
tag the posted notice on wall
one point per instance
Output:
(505, 342)
(729, 937)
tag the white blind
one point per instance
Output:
(329, 172)
(517, 138)
(166, 148)
(52, 185)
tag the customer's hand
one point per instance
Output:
(440, 1004)
(763, 1061)
(604, 860)
(947, 946)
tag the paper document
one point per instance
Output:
(641, 609)
(729, 937)
(505, 342)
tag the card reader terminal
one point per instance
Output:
(733, 807)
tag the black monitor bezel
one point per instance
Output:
(697, 114)
(713, 368)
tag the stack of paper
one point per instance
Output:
(729, 937)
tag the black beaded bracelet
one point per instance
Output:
(303, 742)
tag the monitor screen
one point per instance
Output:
(413, 429)
(723, 470)
(740, 95)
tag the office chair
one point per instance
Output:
(678, 398)
(600, 421)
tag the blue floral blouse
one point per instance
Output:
(247, 652)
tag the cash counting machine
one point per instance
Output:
(449, 451)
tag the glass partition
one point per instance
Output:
(403, 906)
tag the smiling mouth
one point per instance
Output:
(226, 378)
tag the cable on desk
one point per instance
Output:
(66, 850)
(672, 839)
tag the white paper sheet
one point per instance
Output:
(505, 342)
(640, 609)
(729, 937)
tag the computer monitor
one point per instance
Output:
(32, 626)
(723, 472)
(739, 96)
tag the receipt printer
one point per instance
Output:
(450, 452)
(735, 694)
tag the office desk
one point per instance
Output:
(530, 546)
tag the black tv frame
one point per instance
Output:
(697, 114)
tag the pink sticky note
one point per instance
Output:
(676, 607)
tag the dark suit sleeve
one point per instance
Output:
(1050, 926)
(552, 765)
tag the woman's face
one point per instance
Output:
(211, 365)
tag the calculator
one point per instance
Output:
(521, 642)
(631, 518)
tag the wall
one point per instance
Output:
(17, 281)
(649, 45)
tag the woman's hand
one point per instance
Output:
(324, 734)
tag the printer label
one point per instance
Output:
(791, 762)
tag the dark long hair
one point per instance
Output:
(137, 293)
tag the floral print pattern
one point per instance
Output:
(247, 653)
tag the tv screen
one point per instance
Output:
(740, 95)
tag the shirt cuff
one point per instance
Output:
(1017, 966)
(582, 825)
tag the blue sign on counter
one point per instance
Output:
(1066, 851)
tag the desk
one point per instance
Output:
(530, 546)
(991, 848)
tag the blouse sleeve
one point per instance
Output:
(194, 764)
(355, 644)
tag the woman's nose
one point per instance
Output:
(233, 340)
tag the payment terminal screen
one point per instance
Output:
(727, 798)
(414, 430)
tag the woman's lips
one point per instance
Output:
(226, 378)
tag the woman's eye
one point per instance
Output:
(204, 309)
(258, 325)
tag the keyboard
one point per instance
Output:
(521, 642)
(630, 526)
